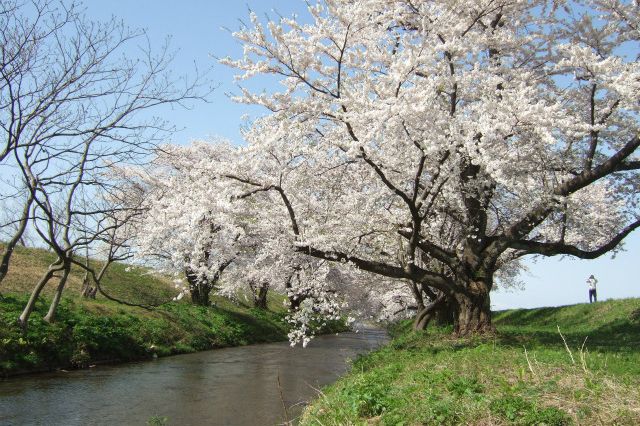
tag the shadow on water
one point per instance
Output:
(235, 386)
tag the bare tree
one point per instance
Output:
(75, 100)
(86, 212)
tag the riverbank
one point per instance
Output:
(89, 332)
(524, 375)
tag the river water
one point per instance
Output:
(233, 386)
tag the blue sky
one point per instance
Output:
(196, 30)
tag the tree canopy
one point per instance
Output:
(431, 144)
(479, 132)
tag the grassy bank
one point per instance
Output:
(524, 375)
(87, 332)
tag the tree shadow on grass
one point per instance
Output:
(621, 336)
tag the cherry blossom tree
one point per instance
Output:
(184, 229)
(191, 188)
(515, 123)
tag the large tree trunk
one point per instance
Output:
(88, 291)
(417, 295)
(6, 257)
(260, 298)
(23, 319)
(472, 309)
(422, 319)
(439, 310)
(51, 315)
(259, 293)
(200, 295)
(199, 288)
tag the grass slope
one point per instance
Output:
(137, 285)
(91, 331)
(524, 375)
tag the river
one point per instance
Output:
(248, 385)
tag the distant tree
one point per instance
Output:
(184, 230)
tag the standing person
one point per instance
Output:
(591, 281)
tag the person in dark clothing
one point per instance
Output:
(593, 296)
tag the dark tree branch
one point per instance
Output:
(432, 249)
(559, 248)
(422, 276)
(521, 228)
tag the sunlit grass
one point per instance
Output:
(89, 331)
(523, 375)
(133, 284)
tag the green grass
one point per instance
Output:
(136, 285)
(87, 332)
(91, 331)
(430, 378)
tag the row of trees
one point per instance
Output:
(430, 143)
(416, 152)
(76, 97)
